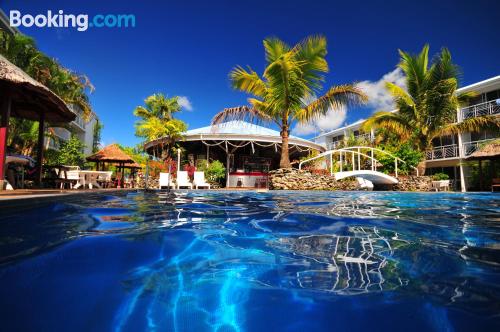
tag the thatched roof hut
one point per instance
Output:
(23, 97)
(489, 151)
(30, 98)
(111, 154)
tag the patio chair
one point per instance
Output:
(183, 180)
(199, 180)
(104, 179)
(166, 181)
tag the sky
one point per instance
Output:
(188, 48)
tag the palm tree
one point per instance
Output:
(292, 75)
(157, 105)
(428, 107)
(157, 120)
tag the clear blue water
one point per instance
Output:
(230, 262)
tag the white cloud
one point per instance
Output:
(185, 103)
(333, 119)
(378, 96)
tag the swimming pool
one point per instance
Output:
(246, 261)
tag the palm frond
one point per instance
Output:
(247, 81)
(390, 121)
(399, 94)
(242, 113)
(338, 96)
(472, 125)
(274, 49)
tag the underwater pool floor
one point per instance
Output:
(247, 261)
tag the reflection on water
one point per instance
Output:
(215, 254)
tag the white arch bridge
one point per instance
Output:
(365, 173)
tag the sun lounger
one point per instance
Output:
(183, 180)
(199, 180)
(166, 181)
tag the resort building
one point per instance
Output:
(84, 129)
(450, 153)
(248, 151)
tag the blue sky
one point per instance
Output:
(187, 48)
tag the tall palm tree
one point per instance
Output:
(157, 120)
(157, 105)
(292, 74)
(428, 107)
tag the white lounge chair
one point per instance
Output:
(166, 181)
(199, 180)
(183, 180)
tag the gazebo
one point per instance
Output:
(491, 152)
(248, 150)
(112, 154)
(23, 97)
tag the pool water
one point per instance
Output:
(246, 261)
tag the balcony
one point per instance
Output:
(451, 151)
(334, 145)
(488, 108)
(471, 147)
(443, 152)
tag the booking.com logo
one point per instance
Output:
(61, 20)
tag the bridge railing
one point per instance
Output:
(356, 151)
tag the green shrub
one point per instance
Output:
(405, 152)
(71, 152)
(440, 176)
(215, 171)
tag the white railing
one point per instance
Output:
(488, 108)
(443, 152)
(471, 147)
(348, 155)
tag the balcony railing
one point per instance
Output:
(334, 145)
(488, 108)
(451, 151)
(471, 147)
(443, 152)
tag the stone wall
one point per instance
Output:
(293, 179)
(413, 183)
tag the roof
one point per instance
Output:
(236, 127)
(240, 131)
(30, 97)
(488, 151)
(111, 153)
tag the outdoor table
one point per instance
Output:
(88, 178)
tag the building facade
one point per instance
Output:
(83, 129)
(449, 153)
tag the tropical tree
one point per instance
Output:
(292, 75)
(71, 87)
(158, 106)
(428, 107)
(157, 120)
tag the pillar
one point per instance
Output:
(4, 125)
(39, 157)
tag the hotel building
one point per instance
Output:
(449, 153)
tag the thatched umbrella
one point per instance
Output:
(23, 97)
(491, 152)
(112, 154)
